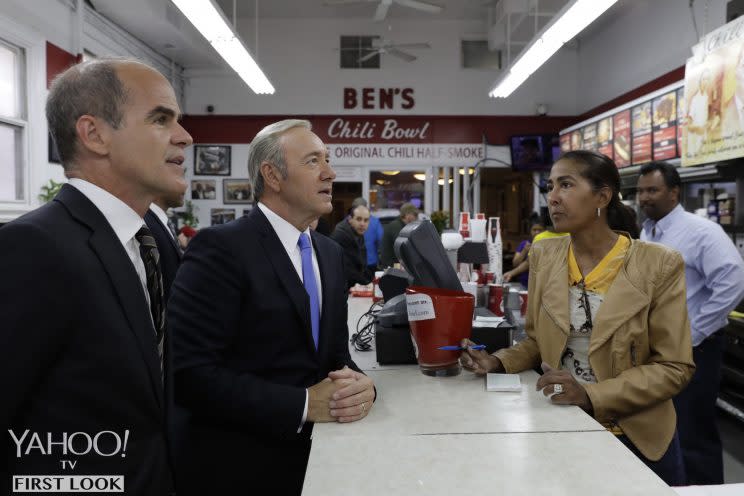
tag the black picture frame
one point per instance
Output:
(221, 215)
(203, 189)
(237, 191)
(212, 160)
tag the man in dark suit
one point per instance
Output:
(165, 235)
(82, 346)
(349, 234)
(259, 311)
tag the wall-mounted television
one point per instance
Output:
(534, 152)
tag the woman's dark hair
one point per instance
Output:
(601, 171)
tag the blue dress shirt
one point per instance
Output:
(372, 239)
(714, 270)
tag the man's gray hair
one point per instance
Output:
(265, 147)
(90, 88)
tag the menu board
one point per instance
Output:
(565, 143)
(590, 137)
(621, 138)
(604, 136)
(681, 112)
(577, 142)
(641, 131)
(665, 126)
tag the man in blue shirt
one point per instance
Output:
(714, 273)
(372, 236)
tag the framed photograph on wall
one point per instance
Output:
(222, 215)
(212, 160)
(237, 191)
(203, 189)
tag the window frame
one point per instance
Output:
(33, 124)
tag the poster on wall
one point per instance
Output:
(577, 142)
(681, 112)
(590, 137)
(665, 126)
(565, 143)
(604, 136)
(714, 97)
(621, 137)
(641, 131)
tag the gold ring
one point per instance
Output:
(363, 406)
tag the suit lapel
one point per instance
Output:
(325, 265)
(123, 277)
(152, 221)
(555, 292)
(285, 271)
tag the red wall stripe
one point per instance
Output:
(57, 60)
(442, 129)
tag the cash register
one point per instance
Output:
(425, 263)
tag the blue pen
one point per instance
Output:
(458, 347)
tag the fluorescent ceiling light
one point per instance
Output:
(569, 22)
(210, 22)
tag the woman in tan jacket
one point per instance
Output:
(606, 317)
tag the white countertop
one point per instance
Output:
(570, 463)
(409, 402)
(448, 435)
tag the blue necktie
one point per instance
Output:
(311, 286)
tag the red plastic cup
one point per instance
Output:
(496, 299)
(523, 308)
(438, 317)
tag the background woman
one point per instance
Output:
(521, 268)
(606, 316)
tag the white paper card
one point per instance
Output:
(420, 307)
(503, 382)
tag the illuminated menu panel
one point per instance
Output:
(590, 137)
(621, 138)
(665, 126)
(604, 136)
(641, 133)
(577, 141)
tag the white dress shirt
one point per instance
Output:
(289, 235)
(162, 216)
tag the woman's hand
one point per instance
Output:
(478, 361)
(508, 276)
(570, 391)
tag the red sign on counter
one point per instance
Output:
(665, 126)
(641, 131)
(621, 137)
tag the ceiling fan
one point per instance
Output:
(383, 47)
(384, 5)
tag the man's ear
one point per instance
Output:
(93, 134)
(270, 176)
(675, 190)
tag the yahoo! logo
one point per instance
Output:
(103, 443)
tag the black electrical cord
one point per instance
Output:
(362, 338)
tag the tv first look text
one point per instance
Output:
(69, 448)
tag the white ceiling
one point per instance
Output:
(159, 24)
(304, 9)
